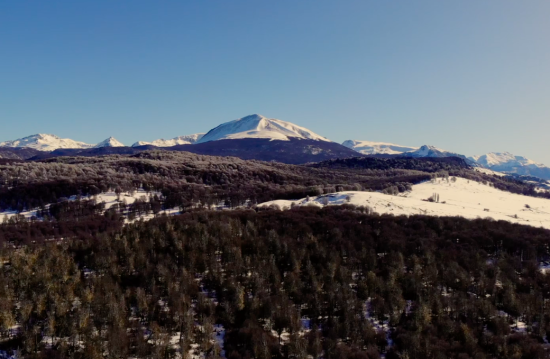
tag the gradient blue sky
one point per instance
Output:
(468, 76)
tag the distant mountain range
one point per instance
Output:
(261, 138)
(498, 162)
(181, 140)
(47, 142)
(373, 148)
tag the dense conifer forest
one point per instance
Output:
(330, 283)
(339, 282)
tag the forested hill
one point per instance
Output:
(184, 177)
(77, 282)
(454, 166)
(330, 283)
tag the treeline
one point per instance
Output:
(325, 283)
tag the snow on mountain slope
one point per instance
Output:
(505, 159)
(45, 142)
(429, 151)
(181, 140)
(432, 151)
(372, 148)
(463, 198)
(110, 142)
(257, 126)
(512, 164)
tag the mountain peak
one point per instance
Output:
(258, 126)
(110, 142)
(430, 151)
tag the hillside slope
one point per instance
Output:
(462, 198)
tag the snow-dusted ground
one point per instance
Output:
(109, 198)
(463, 198)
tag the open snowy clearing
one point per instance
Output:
(463, 198)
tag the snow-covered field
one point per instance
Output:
(463, 198)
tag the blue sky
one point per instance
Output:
(469, 76)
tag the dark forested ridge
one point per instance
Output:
(427, 164)
(8, 153)
(331, 283)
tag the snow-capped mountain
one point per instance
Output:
(373, 148)
(504, 160)
(258, 126)
(432, 151)
(181, 140)
(512, 164)
(45, 142)
(110, 142)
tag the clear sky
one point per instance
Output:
(468, 76)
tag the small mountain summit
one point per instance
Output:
(45, 142)
(181, 140)
(374, 148)
(258, 126)
(110, 142)
(430, 151)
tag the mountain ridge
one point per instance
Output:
(372, 148)
(45, 142)
(180, 140)
(503, 162)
